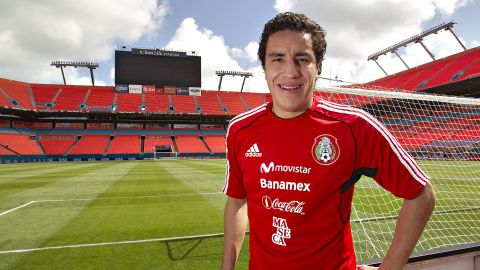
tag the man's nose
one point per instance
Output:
(292, 69)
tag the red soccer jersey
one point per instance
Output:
(298, 175)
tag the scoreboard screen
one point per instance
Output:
(157, 67)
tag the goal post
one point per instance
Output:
(165, 155)
(442, 133)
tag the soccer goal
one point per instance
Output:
(443, 134)
(166, 155)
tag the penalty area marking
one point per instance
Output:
(109, 198)
(181, 238)
(16, 208)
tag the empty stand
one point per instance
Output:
(190, 144)
(91, 144)
(129, 102)
(254, 100)
(100, 97)
(44, 94)
(184, 104)
(155, 140)
(422, 79)
(19, 91)
(156, 103)
(457, 68)
(216, 143)
(233, 103)
(20, 143)
(209, 103)
(125, 144)
(70, 98)
(56, 145)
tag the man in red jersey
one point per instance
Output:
(296, 159)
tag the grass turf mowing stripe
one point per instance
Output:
(179, 238)
(35, 225)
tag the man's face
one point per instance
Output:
(290, 71)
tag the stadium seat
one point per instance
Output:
(157, 140)
(125, 144)
(70, 98)
(20, 143)
(209, 103)
(129, 102)
(57, 144)
(44, 94)
(91, 144)
(18, 91)
(190, 144)
(216, 143)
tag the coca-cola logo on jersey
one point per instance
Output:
(294, 206)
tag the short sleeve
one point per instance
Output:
(392, 167)
(233, 185)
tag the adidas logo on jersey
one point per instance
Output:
(253, 151)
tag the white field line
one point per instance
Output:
(109, 198)
(132, 197)
(16, 208)
(192, 237)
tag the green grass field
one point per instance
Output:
(123, 215)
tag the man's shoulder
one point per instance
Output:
(247, 118)
(340, 112)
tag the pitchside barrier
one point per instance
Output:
(12, 159)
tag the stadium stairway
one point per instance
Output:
(108, 145)
(206, 144)
(247, 107)
(40, 146)
(71, 146)
(4, 150)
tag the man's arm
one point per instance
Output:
(411, 222)
(235, 224)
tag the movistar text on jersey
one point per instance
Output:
(271, 167)
(284, 185)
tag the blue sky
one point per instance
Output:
(225, 33)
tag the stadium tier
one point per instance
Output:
(91, 144)
(20, 144)
(45, 97)
(190, 144)
(457, 67)
(18, 94)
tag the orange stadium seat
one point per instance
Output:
(70, 98)
(44, 94)
(183, 104)
(60, 146)
(18, 91)
(155, 140)
(233, 102)
(91, 144)
(100, 97)
(129, 102)
(125, 144)
(190, 144)
(216, 143)
(20, 143)
(156, 103)
(209, 103)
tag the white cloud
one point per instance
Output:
(449, 6)
(34, 33)
(216, 55)
(475, 43)
(359, 28)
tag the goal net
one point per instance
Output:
(443, 135)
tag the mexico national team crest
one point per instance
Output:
(325, 149)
